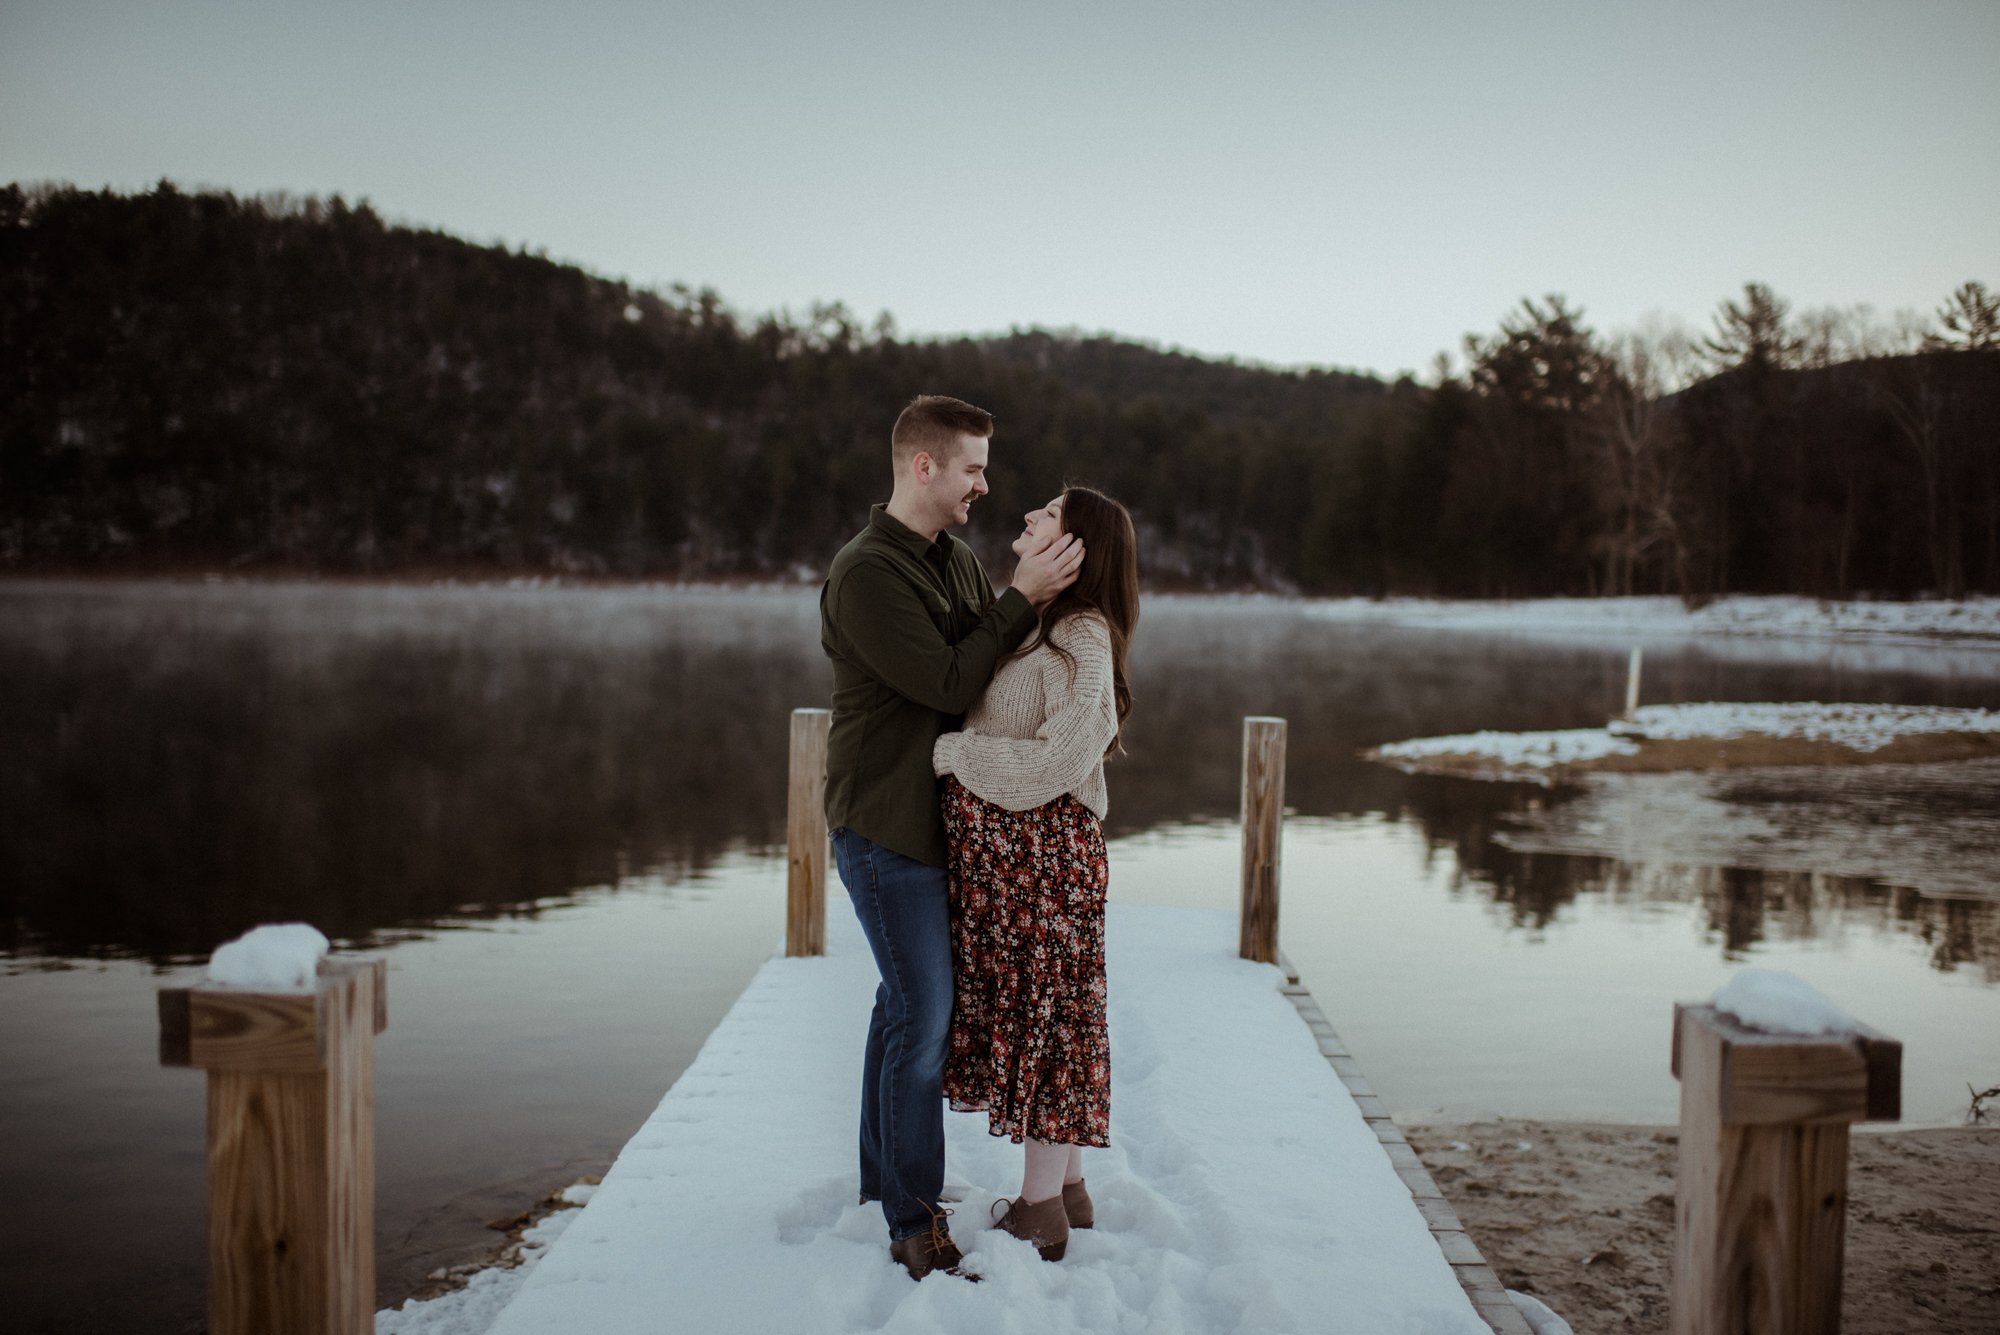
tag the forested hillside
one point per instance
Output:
(201, 380)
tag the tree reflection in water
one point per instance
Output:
(184, 761)
(181, 769)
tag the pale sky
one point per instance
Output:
(1353, 185)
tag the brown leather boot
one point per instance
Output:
(1044, 1223)
(1076, 1205)
(932, 1249)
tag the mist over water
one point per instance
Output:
(559, 811)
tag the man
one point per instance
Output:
(914, 631)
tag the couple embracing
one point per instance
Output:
(964, 792)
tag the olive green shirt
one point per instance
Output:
(914, 633)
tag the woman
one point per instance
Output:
(1023, 802)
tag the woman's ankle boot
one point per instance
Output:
(1076, 1205)
(1044, 1224)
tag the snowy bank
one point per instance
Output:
(1857, 727)
(1242, 1190)
(1701, 736)
(1975, 620)
(473, 1309)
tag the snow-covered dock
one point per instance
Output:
(1247, 1187)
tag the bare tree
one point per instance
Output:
(1910, 393)
(1674, 350)
(1906, 333)
(1637, 460)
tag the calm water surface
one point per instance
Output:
(559, 814)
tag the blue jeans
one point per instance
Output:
(902, 907)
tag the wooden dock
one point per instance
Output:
(1254, 1182)
(1246, 1189)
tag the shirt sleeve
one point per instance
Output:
(1020, 773)
(883, 619)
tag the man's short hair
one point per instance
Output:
(932, 424)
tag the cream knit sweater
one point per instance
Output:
(1041, 728)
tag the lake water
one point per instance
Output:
(559, 814)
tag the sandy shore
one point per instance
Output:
(1581, 1214)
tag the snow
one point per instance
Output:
(1862, 727)
(1527, 754)
(1770, 616)
(1778, 1002)
(1540, 1319)
(1517, 750)
(280, 957)
(473, 1309)
(1242, 1189)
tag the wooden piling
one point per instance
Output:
(1632, 683)
(805, 835)
(1761, 1210)
(1263, 826)
(291, 1147)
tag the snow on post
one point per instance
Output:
(281, 957)
(1777, 1002)
(1772, 1073)
(287, 1037)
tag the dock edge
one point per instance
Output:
(1482, 1287)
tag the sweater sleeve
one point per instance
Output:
(1020, 773)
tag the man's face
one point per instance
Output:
(958, 482)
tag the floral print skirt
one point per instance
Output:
(1029, 1044)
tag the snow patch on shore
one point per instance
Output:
(1517, 750)
(1529, 755)
(1771, 616)
(1540, 1317)
(1861, 727)
(473, 1309)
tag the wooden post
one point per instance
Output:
(1263, 825)
(805, 835)
(1632, 683)
(291, 1147)
(1761, 1210)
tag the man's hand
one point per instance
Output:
(1045, 573)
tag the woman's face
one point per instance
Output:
(1042, 527)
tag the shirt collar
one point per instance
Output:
(920, 547)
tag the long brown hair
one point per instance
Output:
(1107, 584)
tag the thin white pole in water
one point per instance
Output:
(1632, 684)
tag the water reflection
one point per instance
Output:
(182, 769)
(1741, 909)
(185, 761)
(557, 805)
